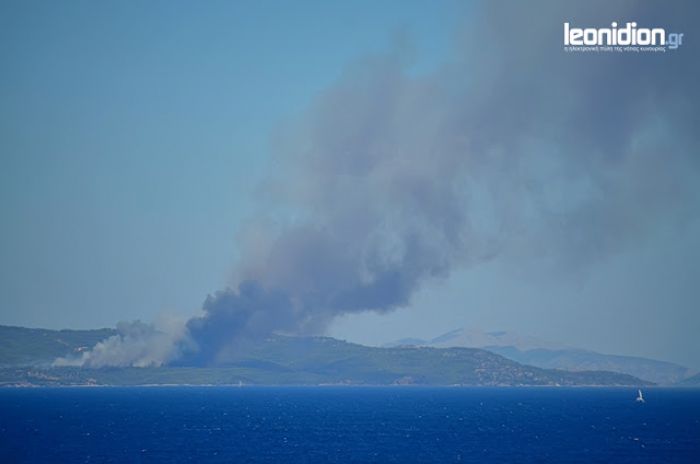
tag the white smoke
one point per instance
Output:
(137, 344)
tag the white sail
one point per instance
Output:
(640, 397)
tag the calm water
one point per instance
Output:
(347, 425)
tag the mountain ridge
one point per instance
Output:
(286, 360)
(547, 355)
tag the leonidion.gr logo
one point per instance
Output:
(627, 38)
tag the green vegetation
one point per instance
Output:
(39, 347)
(26, 355)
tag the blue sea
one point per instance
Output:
(348, 425)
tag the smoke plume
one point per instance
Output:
(136, 344)
(513, 149)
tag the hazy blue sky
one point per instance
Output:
(135, 136)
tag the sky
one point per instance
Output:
(142, 144)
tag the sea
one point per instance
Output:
(348, 425)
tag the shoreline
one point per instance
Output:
(353, 386)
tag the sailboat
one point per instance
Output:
(640, 397)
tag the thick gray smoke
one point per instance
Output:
(513, 148)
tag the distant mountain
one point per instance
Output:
(479, 339)
(660, 372)
(281, 360)
(693, 381)
(547, 355)
(467, 338)
(406, 342)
